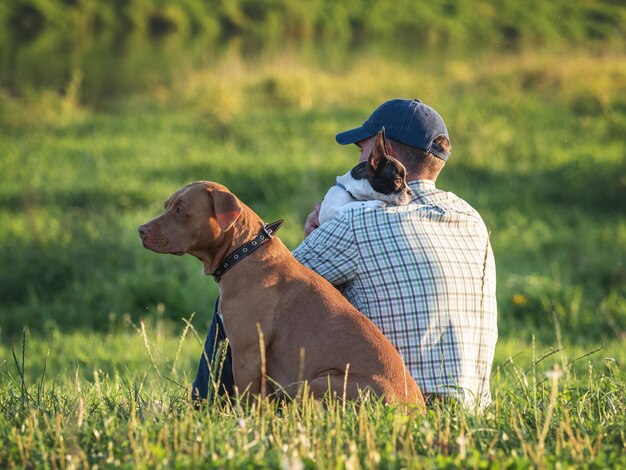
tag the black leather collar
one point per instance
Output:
(266, 233)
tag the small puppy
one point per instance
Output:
(381, 179)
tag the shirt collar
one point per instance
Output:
(422, 185)
(423, 191)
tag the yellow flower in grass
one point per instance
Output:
(519, 299)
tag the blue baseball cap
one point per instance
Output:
(410, 122)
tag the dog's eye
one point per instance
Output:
(178, 210)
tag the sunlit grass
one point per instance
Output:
(537, 145)
(97, 140)
(122, 399)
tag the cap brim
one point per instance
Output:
(353, 136)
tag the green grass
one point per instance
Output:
(79, 400)
(538, 149)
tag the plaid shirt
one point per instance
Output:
(424, 273)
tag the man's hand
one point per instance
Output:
(313, 220)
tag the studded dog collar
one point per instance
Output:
(266, 233)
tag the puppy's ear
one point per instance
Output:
(227, 208)
(379, 152)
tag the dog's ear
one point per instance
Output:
(378, 156)
(227, 208)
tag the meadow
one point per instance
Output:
(78, 400)
(100, 338)
(538, 150)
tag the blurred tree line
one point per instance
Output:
(494, 23)
(114, 47)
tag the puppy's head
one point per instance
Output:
(386, 175)
(195, 218)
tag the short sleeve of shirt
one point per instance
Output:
(331, 251)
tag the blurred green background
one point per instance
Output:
(107, 107)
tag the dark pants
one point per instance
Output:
(210, 364)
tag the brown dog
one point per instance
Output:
(310, 331)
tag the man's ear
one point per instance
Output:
(227, 208)
(379, 152)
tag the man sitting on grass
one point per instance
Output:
(424, 273)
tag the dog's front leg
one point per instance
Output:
(248, 374)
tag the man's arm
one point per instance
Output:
(330, 250)
(313, 220)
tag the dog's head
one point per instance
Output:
(386, 175)
(195, 218)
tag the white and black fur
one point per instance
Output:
(381, 179)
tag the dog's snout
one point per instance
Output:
(143, 230)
